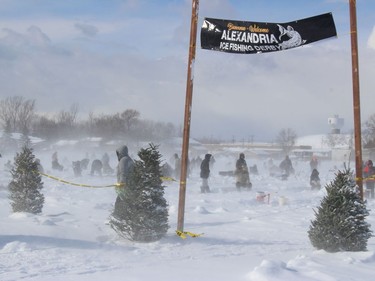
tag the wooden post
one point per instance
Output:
(356, 99)
(188, 103)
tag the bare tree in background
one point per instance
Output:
(334, 140)
(45, 127)
(66, 120)
(107, 126)
(61, 125)
(17, 113)
(286, 139)
(130, 117)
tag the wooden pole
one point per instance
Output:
(356, 99)
(188, 103)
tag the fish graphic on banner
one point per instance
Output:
(260, 37)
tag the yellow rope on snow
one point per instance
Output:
(81, 185)
(117, 185)
(168, 179)
(182, 234)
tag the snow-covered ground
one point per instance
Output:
(242, 239)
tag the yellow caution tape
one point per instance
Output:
(365, 179)
(182, 234)
(172, 179)
(193, 234)
(168, 179)
(81, 185)
(117, 185)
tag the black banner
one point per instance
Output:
(260, 37)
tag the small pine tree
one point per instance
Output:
(26, 185)
(340, 220)
(142, 215)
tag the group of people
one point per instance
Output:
(194, 163)
(241, 173)
(287, 169)
(368, 177)
(204, 170)
(98, 167)
(283, 170)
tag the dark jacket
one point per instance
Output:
(205, 167)
(286, 165)
(369, 174)
(314, 175)
(241, 165)
(315, 179)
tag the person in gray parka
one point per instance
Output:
(124, 169)
(125, 164)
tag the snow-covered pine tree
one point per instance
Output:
(340, 220)
(143, 214)
(25, 187)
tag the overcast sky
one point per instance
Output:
(111, 55)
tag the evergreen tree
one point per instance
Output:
(26, 185)
(143, 213)
(340, 220)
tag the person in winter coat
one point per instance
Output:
(314, 179)
(124, 169)
(369, 177)
(96, 167)
(205, 173)
(77, 168)
(286, 166)
(107, 169)
(125, 164)
(177, 166)
(55, 162)
(242, 173)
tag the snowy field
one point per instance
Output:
(242, 239)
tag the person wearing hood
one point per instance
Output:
(286, 167)
(205, 173)
(242, 173)
(124, 169)
(369, 177)
(125, 164)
